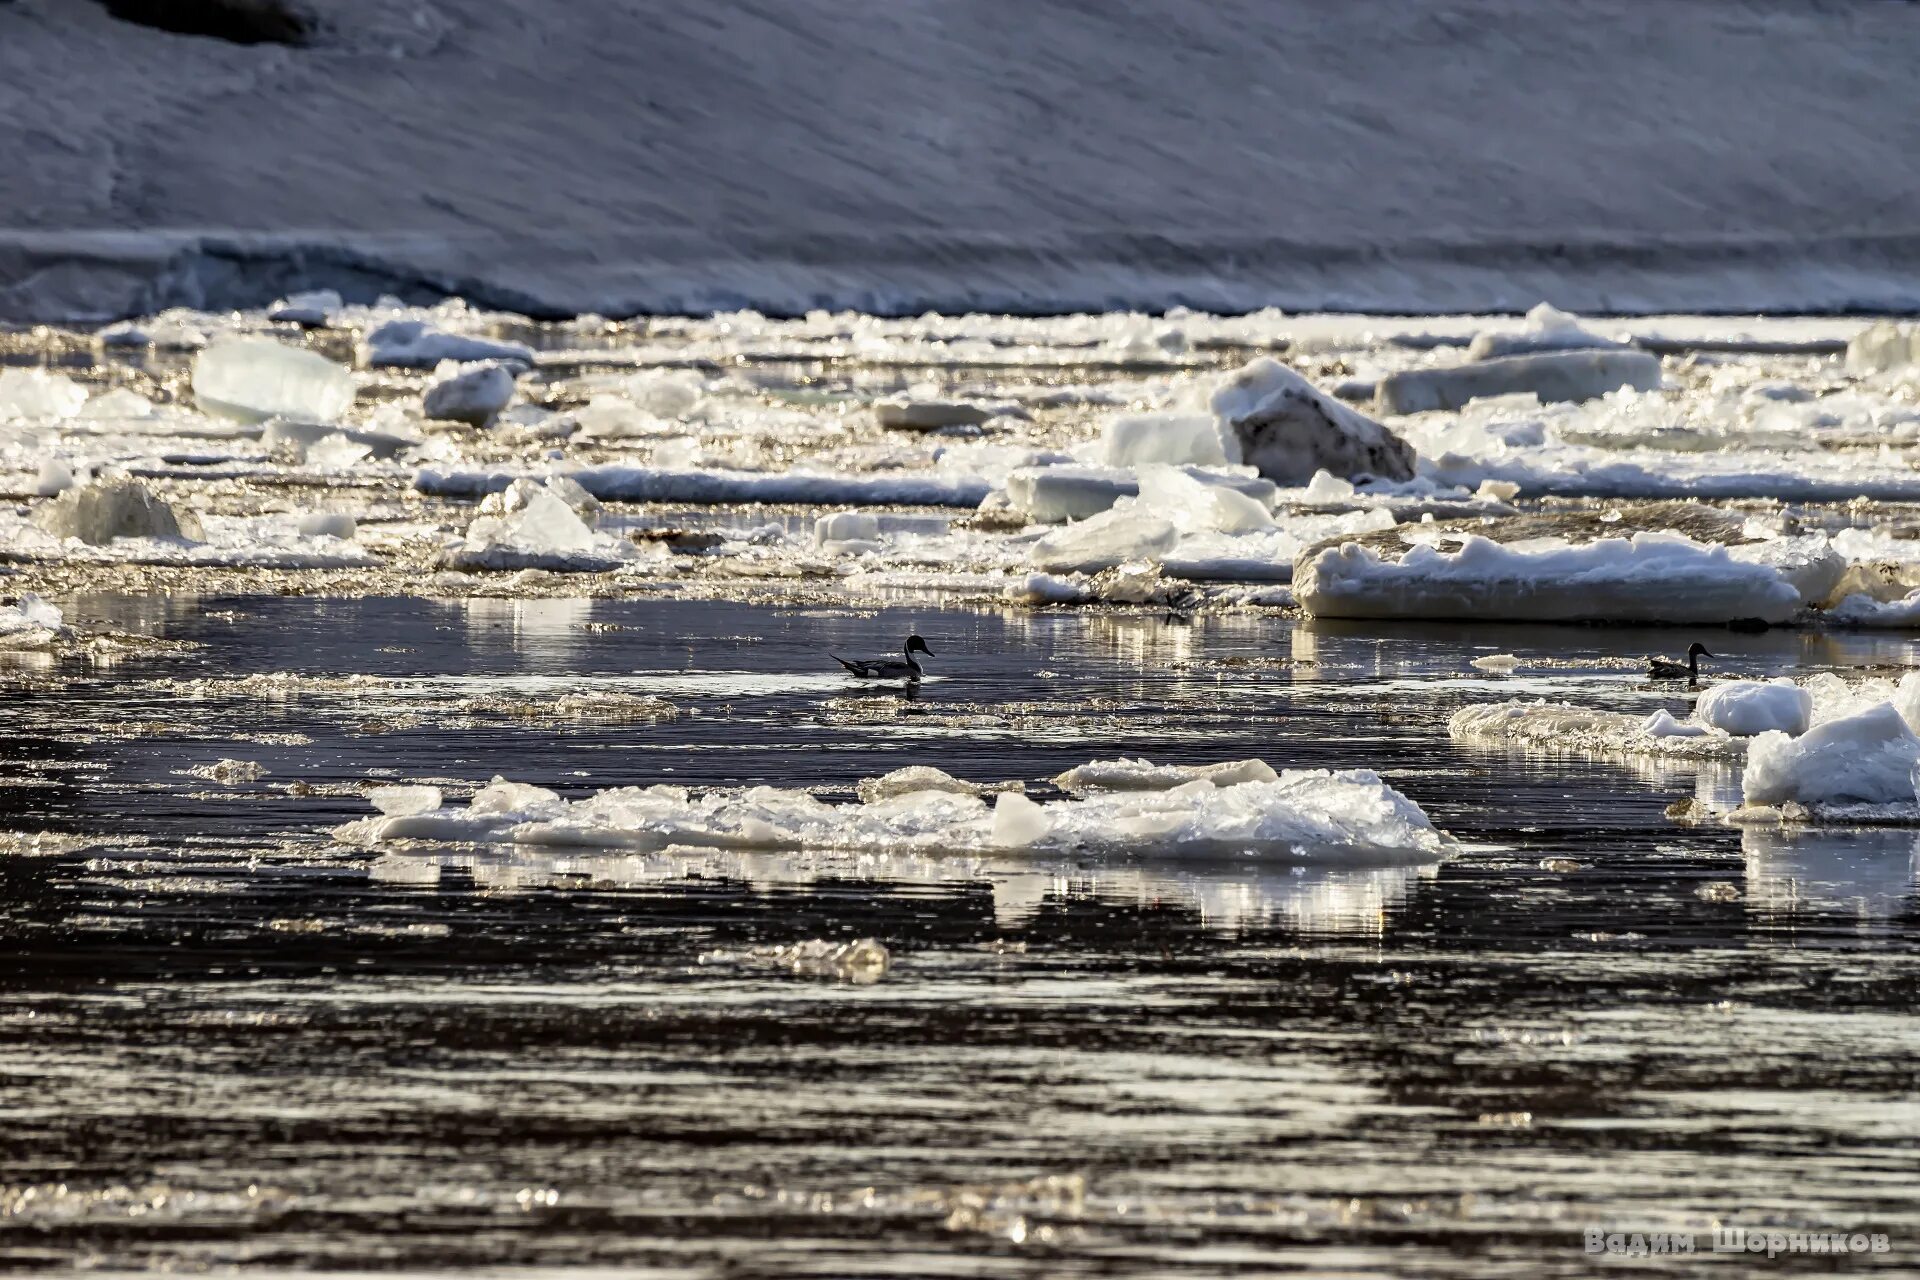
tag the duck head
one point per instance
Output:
(1696, 651)
(916, 645)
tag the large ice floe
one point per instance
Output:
(31, 623)
(1243, 811)
(1649, 577)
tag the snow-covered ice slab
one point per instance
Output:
(614, 483)
(31, 623)
(1305, 816)
(417, 344)
(1865, 758)
(1647, 578)
(253, 379)
(1551, 375)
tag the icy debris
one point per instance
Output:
(518, 495)
(29, 394)
(1135, 440)
(1808, 561)
(405, 801)
(117, 404)
(31, 623)
(922, 777)
(1056, 494)
(533, 526)
(327, 524)
(1101, 542)
(1500, 664)
(292, 441)
(928, 415)
(1287, 429)
(1348, 817)
(469, 393)
(98, 513)
(669, 394)
(1661, 724)
(1552, 376)
(231, 773)
(1865, 758)
(337, 452)
(1325, 487)
(253, 379)
(1648, 578)
(1748, 707)
(861, 961)
(1144, 775)
(1195, 504)
(54, 478)
(1562, 727)
(416, 344)
(847, 530)
(1882, 348)
(309, 310)
(1548, 329)
(1047, 588)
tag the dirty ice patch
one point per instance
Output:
(1314, 816)
(1650, 577)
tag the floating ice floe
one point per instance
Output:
(417, 344)
(929, 415)
(36, 395)
(847, 531)
(1563, 728)
(1647, 578)
(1549, 375)
(1547, 329)
(469, 393)
(1347, 817)
(31, 623)
(253, 379)
(1127, 774)
(1141, 439)
(1287, 429)
(328, 446)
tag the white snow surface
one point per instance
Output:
(914, 157)
(1864, 758)
(1311, 816)
(1745, 708)
(1647, 578)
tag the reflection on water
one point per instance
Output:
(1812, 876)
(229, 1042)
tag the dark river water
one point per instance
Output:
(227, 1041)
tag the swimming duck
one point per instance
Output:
(1668, 669)
(888, 668)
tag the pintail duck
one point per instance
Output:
(888, 668)
(1668, 669)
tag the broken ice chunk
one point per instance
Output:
(1196, 506)
(1866, 758)
(672, 394)
(1018, 821)
(1880, 348)
(308, 310)
(1287, 429)
(253, 379)
(327, 524)
(415, 344)
(404, 802)
(1548, 329)
(928, 415)
(107, 509)
(470, 393)
(337, 452)
(33, 623)
(55, 477)
(1137, 439)
(1745, 708)
(846, 527)
(1553, 376)
(1101, 542)
(1327, 487)
(27, 394)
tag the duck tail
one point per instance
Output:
(851, 666)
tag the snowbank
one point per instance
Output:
(1348, 817)
(1647, 578)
